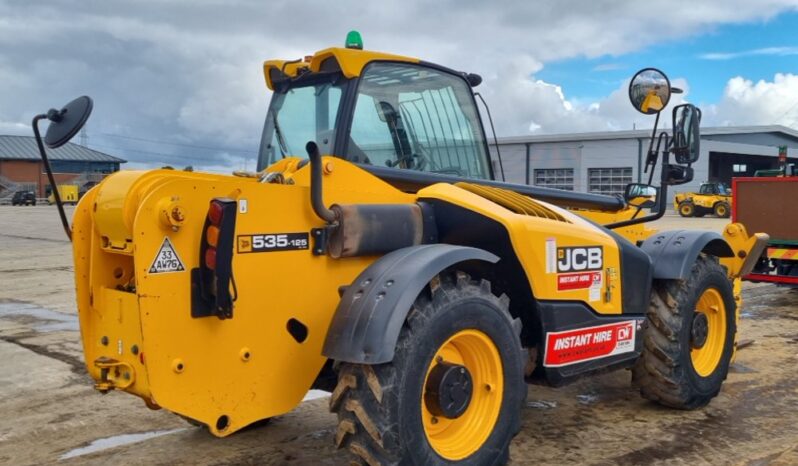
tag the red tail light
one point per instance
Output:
(210, 258)
(213, 286)
(215, 213)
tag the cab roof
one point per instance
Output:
(348, 61)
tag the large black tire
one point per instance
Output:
(721, 209)
(665, 371)
(686, 209)
(379, 407)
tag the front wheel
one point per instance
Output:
(689, 338)
(721, 209)
(454, 391)
(686, 209)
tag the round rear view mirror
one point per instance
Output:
(649, 91)
(65, 123)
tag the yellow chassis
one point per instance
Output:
(137, 330)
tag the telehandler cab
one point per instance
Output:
(375, 255)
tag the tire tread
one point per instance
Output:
(659, 372)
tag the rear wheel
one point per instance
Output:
(689, 338)
(722, 210)
(686, 209)
(454, 391)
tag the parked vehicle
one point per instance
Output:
(23, 198)
(409, 282)
(766, 204)
(68, 192)
(711, 198)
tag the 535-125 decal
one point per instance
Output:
(271, 242)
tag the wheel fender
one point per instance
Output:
(673, 252)
(372, 310)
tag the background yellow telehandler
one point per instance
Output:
(712, 198)
(374, 255)
(67, 192)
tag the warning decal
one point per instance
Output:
(578, 281)
(585, 344)
(167, 259)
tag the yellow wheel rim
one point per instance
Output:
(686, 209)
(721, 210)
(455, 439)
(706, 358)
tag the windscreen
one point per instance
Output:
(297, 115)
(417, 118)
(405, 116)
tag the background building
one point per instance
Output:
(605, 162)
(21, 165)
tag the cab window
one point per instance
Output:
(708, 189)
(417, 118)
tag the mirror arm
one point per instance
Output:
(662, 198)
(651, 145)
(49, 171)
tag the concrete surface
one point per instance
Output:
(51, 414)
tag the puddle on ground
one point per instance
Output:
(117, 441)
(738, 368)
(315, 394)
(587, 399)
(41, 319)
(541, 404)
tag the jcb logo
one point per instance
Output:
(580, 258)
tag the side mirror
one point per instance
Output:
(686, 133)
(65, 123)
(385, 111)
(641, 195)
(650, 91)
(678, 174)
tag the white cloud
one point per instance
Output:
(745, 102)
(776, 51)
(609, 67)
(168, 71)
(522, 104)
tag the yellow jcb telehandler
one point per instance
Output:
(375, 255)
(711, 198)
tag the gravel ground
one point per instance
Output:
(51, 414)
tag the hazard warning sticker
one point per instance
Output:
(585, 344)
(167, 259)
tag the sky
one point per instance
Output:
(180, 83)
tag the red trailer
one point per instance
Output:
(770, 205)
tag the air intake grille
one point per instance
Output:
(513, 201)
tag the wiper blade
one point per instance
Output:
(280, 139)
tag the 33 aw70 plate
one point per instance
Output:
(272, 242)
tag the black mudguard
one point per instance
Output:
(366, 324)
(674, 252)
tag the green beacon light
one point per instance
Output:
(354, 41)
